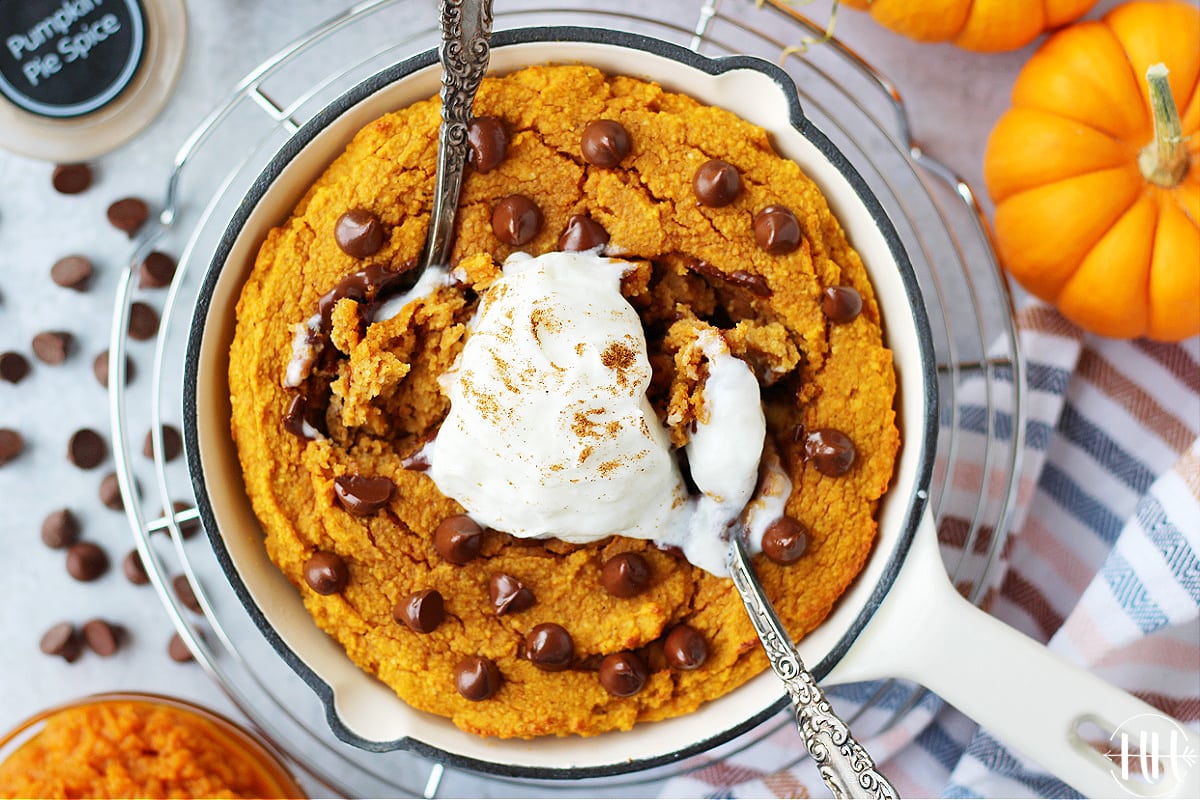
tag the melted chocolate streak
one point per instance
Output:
(756, 284)
(368, 287)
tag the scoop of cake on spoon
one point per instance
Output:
(464, 52)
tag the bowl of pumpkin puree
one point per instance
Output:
(138, 745)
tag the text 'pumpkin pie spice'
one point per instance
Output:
(726, 252)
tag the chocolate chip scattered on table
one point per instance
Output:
(100, 369)
(172, 443)
(62, 640)
(186, 594)
(133, 569)
(71, 178)
(60, 529)
(12, 444)
(86, 449)
(178, 650)
(143, 321)
(102, 637)
(128, 215)
(157, 270)
(14, 367)
(52, 347)
(72, 272)
(86, 561)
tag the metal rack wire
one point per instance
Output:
(936, 214)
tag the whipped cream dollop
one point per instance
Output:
(550, 432)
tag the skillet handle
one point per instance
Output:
(1027, 696)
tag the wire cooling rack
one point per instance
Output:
(981, 381)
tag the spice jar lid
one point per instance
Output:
(80, 77)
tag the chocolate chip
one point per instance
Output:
(178, 650)
(134, 569)
(685, 648)
(128, 215)
(72, 272)
(187, 527)
(110, 492)
(61, 640)
(785, 540)
(60, 529)
(186, 595)
(143, 321)
(86, 561)
(458, 539)
(716, 183)
(358, 233)
(12, 444)
(86, 449)
(487, 140)
(71, 178)
(421, 611)
(841, 304)
(100, 369)
(477, 678)
(516, 219)
(581, 234)
(326, 572)
(623, 674)
(102, 637)
(776, 230)
(830, 451)
(52, 347)
(604, 143)
(157, 271)
(509, 595)
(549, 647)
(625, 575)
(172, 443)
(361, 495)
(13, 367)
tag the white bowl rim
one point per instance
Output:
(712, 66)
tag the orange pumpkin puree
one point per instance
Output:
(134, 749)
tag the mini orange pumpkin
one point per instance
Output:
(1096, 177)
(985, 25)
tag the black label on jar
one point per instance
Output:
(66, 58)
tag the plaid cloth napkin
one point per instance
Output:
(1102, 565)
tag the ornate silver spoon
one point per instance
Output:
(844, 765)
(466, 27)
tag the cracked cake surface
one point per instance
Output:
(330, 447)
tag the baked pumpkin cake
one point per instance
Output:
(506, 485)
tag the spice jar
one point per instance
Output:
(80, 77)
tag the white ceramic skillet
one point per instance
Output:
(901, 618)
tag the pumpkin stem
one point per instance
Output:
(1164, 162)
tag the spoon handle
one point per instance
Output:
(844, 765)
(464, 51)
